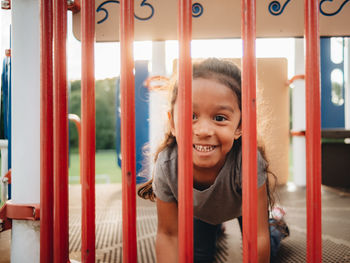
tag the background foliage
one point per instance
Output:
(105, 112)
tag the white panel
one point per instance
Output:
(25, 241)
(25, 125)
(299, 124)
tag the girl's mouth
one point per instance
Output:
(203, 148)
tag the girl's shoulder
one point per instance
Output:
(165, 175)
(168, 154)
(261, 167)
(236, 157)
(166, 164)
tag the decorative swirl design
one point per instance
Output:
(143, 4)
(276, 9)
(197, 10)
(148, 17)
(101, 8)
(334, 13)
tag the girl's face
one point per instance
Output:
(216, 122)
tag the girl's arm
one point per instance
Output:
(166, 240)
(263, 226)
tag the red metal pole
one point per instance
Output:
(88, 131)
(184, 138)
(127, 89)
(249, 144)
(60, 133)
(313, 132)
(46, 133)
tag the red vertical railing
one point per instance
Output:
(184, 137)
(61, 248)
(313, 132)
(46, 133)
(249, 143)
(88, 130)
(60, 133)
(127, 89)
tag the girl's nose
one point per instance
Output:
(202, 128)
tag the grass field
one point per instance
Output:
(107, 169)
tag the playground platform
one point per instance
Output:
(335, 224)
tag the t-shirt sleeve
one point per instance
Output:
(261, 170)
(161, 185)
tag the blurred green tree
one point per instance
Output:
(105, 112)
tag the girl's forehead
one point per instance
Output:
(209, 91)
(211, 85)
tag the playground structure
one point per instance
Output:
(56, 115)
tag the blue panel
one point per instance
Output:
(332, 116)
(141, 117)
(6, 106)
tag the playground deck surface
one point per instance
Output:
(335, 224)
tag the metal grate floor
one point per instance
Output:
(336, 227)
(109, 236)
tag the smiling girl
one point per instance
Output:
(217, 159)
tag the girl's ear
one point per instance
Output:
(238, 132)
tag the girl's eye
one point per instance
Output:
(219, 118)
(194, 116)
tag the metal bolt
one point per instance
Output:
(8, 52)
(5, 4)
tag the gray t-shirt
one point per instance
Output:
(220, 202)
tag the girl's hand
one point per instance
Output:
(166, 240)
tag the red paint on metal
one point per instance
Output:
(8, 52)
(60, 111)
(294, 78)
(297, 133)
(8, 177)
(313, 132)
(21, 211)
(184, 137)
(46, 132)
(74, 6)
(127, 89)
(249, 135)
(11, 211)
(88, 131)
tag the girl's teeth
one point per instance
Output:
(203, 148)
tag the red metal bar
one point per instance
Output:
(313, 132)
(249, 144)
(60, 133)
(46, 132)
(88, 131)
(127, 89)
(184, 137)
(294, 78)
